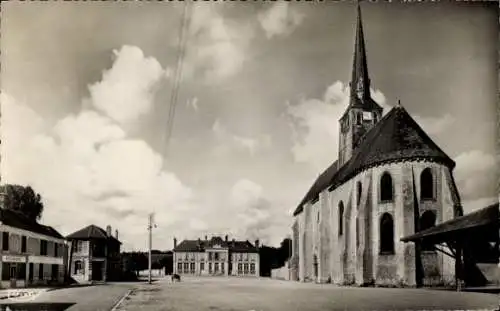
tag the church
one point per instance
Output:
(390, 180)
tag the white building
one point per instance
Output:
(216, 256)
(390, 180)
(31, 253)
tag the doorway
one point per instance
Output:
(13, 275)
(30, 272)
(97, 274)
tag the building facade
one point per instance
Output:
(95, 255)
(217, 256)
(31, 254)
(389, 181)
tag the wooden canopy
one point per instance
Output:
(484, 222)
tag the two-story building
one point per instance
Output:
(31, 254)
(95, 255)
(216, 256)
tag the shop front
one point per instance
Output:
(13, 271)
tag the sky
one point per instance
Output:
(86, 90)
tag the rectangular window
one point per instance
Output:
(252, 268)
(43, 247)
(78, 267)
(79, 246)
(5, 241)
(186, 267)
(5, 271)
(40, 271)
(209, 256)
(202, 266)
(245, 269)
(179, 267)
(216, 256)
(216, 268)
(30, 272)
(192, 267)
(54, 272)
(240, 270)
(210, 267)
(23, 244)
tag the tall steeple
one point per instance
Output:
(360, 81)
(363, 112)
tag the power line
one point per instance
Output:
(186, 17)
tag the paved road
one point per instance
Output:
(264, 294)
(89, 298)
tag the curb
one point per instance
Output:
(117, 305)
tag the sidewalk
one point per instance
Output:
(21, 293)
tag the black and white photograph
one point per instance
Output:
(249, 155)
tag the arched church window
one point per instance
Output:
(341, 218)
(426, 184)
(427, 220)
(386, 190)
(359, 188)
(386, 234)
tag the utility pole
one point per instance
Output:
(150, 233)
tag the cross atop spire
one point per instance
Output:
(360, 82)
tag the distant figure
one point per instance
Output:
(176, 278)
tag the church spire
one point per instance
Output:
(360, 82)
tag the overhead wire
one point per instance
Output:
(185, 21)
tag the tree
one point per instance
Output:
(285, 250)
(23, 200)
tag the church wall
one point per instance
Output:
(309, 242)
(343, 254)
(344, 262)
(325, 236)
(449, 199)
(387, 267)
(302, 245)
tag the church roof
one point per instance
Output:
(91, 232)
(396, 137)
(201, 245)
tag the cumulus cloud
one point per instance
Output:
(435, 125)
(314, 124)
(253, 214)
(315, 128)
(86, 167)
(217, 46)
(476, 175)
(227, 141)
(126, 90)
(280, 19)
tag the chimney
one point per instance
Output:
(116, 234)
(234, 242)
(108, 230)
(175, 242)
(257, 243)
(206, 238)
(226, 238)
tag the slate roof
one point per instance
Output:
(396, 137)
(486, 217)
(17, 220)
(202, 245)
(91, 232)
